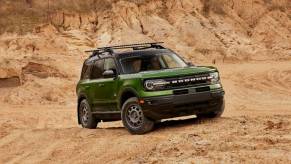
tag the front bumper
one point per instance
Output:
(162, 107)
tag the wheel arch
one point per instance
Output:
(125, 95)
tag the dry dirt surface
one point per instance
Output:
(41, 52)
(50, 135)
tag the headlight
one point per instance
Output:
(155, 84)
(214, 77)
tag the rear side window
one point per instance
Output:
(97, 70)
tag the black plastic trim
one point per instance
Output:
(161, 107)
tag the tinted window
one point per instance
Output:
(97, 70)
(85, 72)
(152, 62)
(109, 64)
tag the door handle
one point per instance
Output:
(101, 85)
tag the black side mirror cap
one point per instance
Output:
(190, 64)
(109, 74)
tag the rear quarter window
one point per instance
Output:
(85, 74)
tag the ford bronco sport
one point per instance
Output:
(144, 85)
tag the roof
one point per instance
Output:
(125, 54)
(140, 52)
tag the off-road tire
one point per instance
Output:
(90, 122)
(139, 125)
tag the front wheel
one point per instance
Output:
(133, 118)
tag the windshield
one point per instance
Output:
(151, 62)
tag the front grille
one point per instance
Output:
(187, 81)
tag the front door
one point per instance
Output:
(103, 90)
(108, 87)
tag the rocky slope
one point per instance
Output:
(39, 36)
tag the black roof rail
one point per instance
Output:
(151, 44)
(138, 46)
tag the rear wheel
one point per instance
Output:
(133, 118)
(86, 118)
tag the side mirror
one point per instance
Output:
(108, 74)
(190, 64)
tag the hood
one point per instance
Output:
(177, 72)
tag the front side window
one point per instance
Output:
(151, 62)
(109, 64)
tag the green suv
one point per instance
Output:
(143, 84)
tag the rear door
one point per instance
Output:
(83, 87)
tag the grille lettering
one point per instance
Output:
(194, 80)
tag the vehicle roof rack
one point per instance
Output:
(110, 49)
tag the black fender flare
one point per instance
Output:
(126, 90)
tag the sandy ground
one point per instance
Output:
(255, 128)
